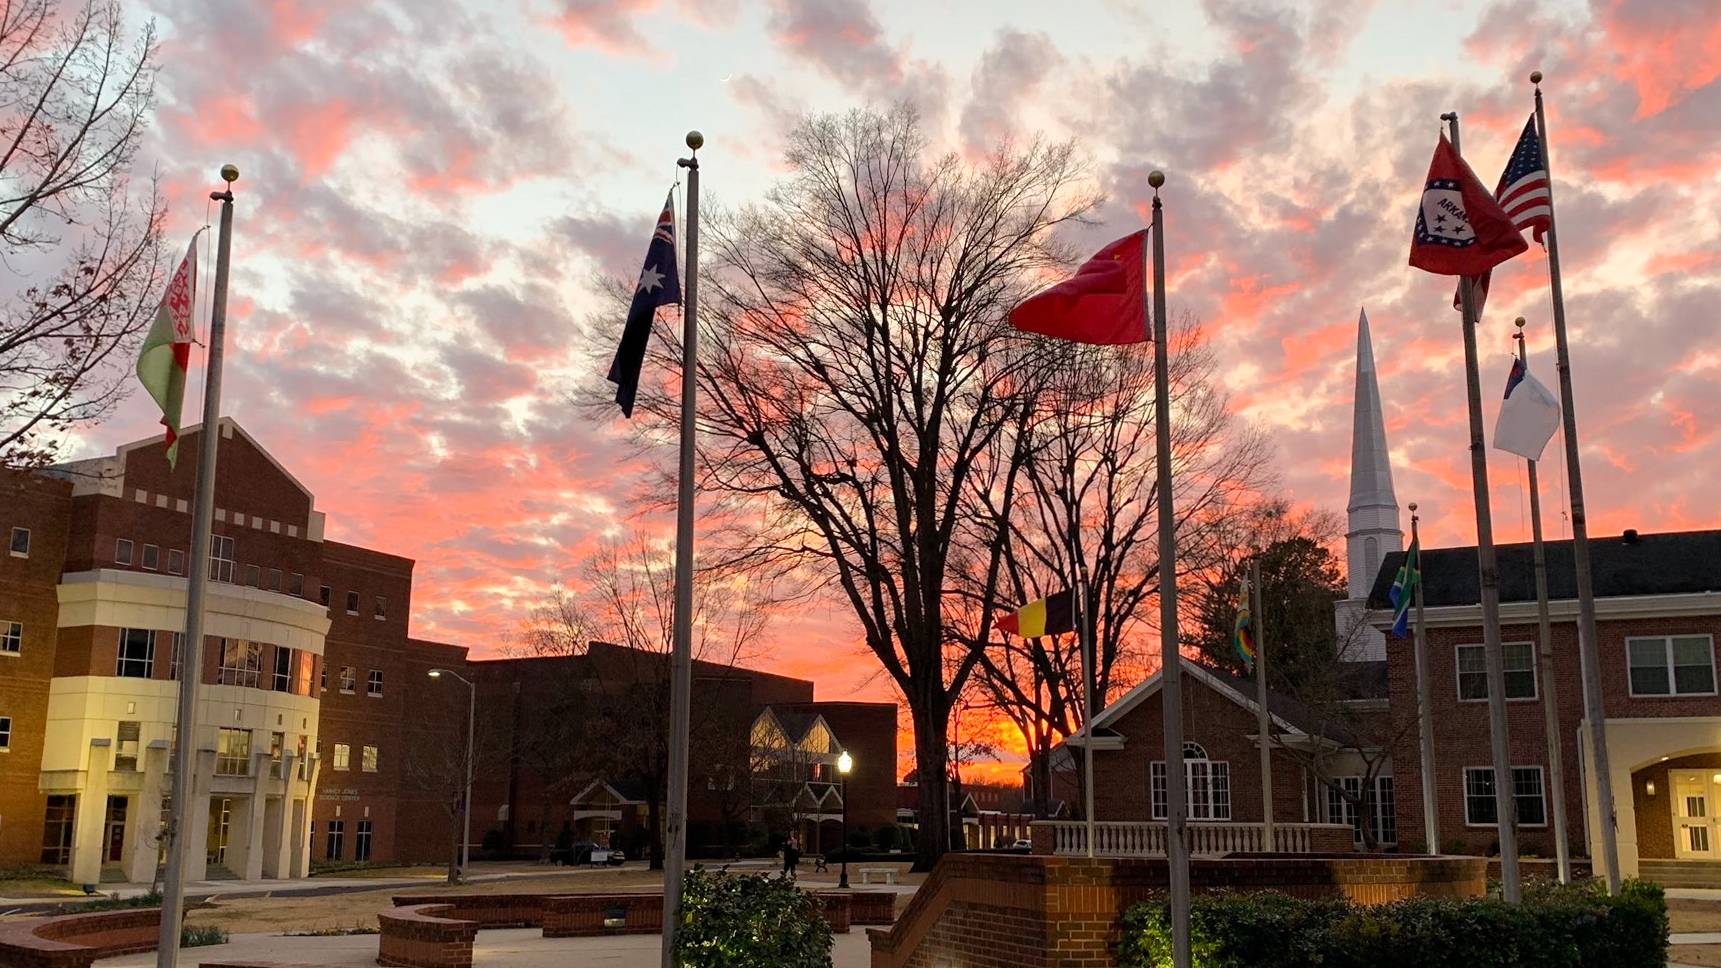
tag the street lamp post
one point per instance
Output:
(845, 763)
(466, 802)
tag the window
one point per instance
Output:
(232, 752)
(5, 732)
(277, 746)
(343, 756)
(221, 558)
(304, 764)
(381, 608)
(325, 595)
(324, 681)
(1207, 786)
(303, 662)
(136, 654)
(125, 749)
(20, 542)
(352, 603)
(151, 560)
(254, 576)
(373, 685)
(178, 656)
(361, 842)
(241, 663)
(349, 679)
(57, 828)
(274, 580)
(367, 761)
(282, 678)
(1526, 790)
(296, 585)
(1674, 665)
(11, 637)
(175, 561)
(337, 833)
(122, 551)
(1342, 807)
(1520, 671)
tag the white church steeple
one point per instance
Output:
(1373, 510)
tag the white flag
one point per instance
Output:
(1528, 417)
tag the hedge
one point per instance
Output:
(1555, 927)
(749, 921)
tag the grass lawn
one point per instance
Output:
(23, 884)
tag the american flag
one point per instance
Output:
(1523, 193)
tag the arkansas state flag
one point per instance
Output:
(1105, 302)
(1460, 229)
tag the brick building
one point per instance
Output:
(1658, 609)
(320, 733)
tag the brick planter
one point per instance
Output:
(871, 907)
(78, 940)
(424, 936)
(486, 910)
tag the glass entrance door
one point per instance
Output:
(220, 817)
(1696, 829)
(114, 846)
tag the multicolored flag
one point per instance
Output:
(659, 285)
(1404, 588)
(1104, 303)
(166, 353)
(1243, 632)
(1460, 229)
(1523, 193)
(1051, 615)
(1528, 417)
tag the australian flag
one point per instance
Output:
(659, 285)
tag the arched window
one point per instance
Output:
(1206, 786)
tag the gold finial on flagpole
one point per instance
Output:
(695, 140)
(1156, 178)
(1535, 77)
(229, 173)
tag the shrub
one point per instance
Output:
(1557, 926)
(749, 921)
(113, 902)
(198, 936)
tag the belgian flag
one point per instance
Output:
(1051, 615)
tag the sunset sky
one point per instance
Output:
(431, 189)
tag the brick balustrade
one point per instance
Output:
(583, 915)
(871, 907)
(486, 910)
(77, 940)
(1002, 911)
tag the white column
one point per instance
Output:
(143, 818)
(302, 865)
(245, 840)
(89, 831)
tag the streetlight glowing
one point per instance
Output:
(845, 763)
(436, 673)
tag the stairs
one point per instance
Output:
(1681, 873)
(219, 872)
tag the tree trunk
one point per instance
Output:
(931, 731)
(544, 826)
(454, 847)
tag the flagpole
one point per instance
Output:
(1424, 700)
(1505, 804)
(681, 661)
(1170, 663)
(1594, 712)
(1545, 659)
(1263, 720)
(191, 656)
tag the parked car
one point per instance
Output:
(585, 852)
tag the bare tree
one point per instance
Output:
(82, 251)
(1089, 497)
(857, 361)
(433, 768)
(626, 597)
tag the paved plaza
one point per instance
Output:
(515, 948)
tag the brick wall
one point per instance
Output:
(1655, 812)
(1462, 734)
(1000, 911)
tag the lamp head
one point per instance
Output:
(436, 673)
(845, 763)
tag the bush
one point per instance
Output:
(195, 936)
(749, 921)
(113, 902)
(1557, 926)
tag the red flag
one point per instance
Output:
(1105, 302)
(1460, 229)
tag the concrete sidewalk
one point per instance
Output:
(518, 948)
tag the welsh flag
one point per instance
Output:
(167, 349)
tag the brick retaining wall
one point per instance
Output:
(78, 940)
(582, 915)
(425, 936)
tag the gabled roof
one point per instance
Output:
(623, 792)
(1235, 690)
(1670, 563)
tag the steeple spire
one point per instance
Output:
(1373, 508)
